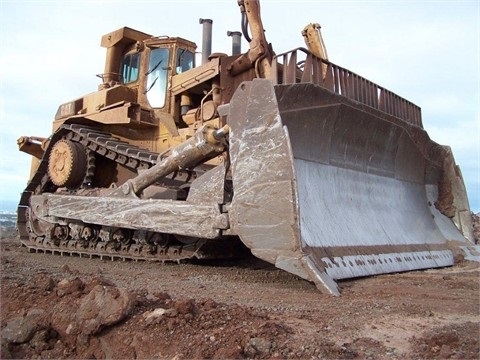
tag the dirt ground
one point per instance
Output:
(70, 307)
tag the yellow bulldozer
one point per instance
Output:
(312, 167)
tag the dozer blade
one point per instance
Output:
(329, 189)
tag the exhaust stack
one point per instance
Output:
(206, 39)
(236, 42)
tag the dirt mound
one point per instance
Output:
(95, 319)
(458, 341)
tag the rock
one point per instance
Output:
(39, 340)
(69, 329)
(151, 316)
(19, 330)
(261, 346)
(163, 296)
(151, 298)
(81, 317)
(69, 286)
(98, 280)
(185, 306)
(173, 312)
(43, 282)
(209, 304)
(66, 269)
(249, 351)
(102, 307)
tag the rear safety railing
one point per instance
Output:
(343, 82)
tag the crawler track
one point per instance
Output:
(86, 240)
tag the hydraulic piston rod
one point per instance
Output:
(206, 143)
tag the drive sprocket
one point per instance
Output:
(67, 164)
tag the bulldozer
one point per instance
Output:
(312, 167)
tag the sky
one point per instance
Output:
(425, 51)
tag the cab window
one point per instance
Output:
(184, 61)
(130, 67)
(157, 77)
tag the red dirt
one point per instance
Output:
(243, 309)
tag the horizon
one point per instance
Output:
(9, 205)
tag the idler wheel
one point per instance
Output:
(67, 164)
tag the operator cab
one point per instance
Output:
(148, 67)
(146, 64)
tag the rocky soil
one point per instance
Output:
(70, 307)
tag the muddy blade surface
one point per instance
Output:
(330, 189)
